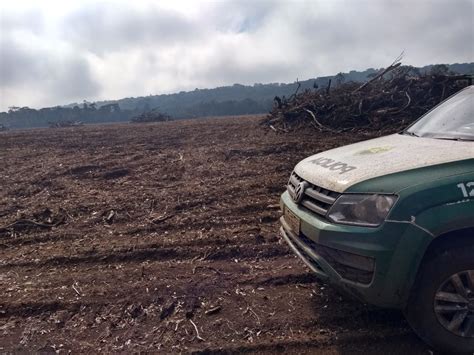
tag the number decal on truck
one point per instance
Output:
(467, 189)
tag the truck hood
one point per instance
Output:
(340, 168)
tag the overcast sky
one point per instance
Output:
(58, 52)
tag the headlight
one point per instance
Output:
(361, 210)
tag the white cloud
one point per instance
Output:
(56, 52)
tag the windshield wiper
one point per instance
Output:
(407, 133)
(455, 139)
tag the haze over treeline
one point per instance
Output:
(222, 101)
(56, 52)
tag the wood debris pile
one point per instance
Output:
(388, 102)
(151, 116)
(62, 124)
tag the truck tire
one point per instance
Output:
(441, 305)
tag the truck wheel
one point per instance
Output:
(441, 305)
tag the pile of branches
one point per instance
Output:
(151, 116)
(388, 102)
(61, 124)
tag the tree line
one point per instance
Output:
(222, 101)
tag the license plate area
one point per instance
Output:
(293, 221)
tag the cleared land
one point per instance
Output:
(166, 239)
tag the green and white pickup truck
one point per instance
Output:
(391, 221)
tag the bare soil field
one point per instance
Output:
(164, 238)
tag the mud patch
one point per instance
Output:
(116, 174)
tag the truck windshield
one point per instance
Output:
(452, 119)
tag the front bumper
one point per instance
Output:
(376, 265)
(329, 262)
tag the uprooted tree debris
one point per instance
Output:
(62, 124)
(388, 102)
(151, 116)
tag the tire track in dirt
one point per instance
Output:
(27, 240)
(242, 252)
(350, 344)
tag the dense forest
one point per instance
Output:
(222, 101)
